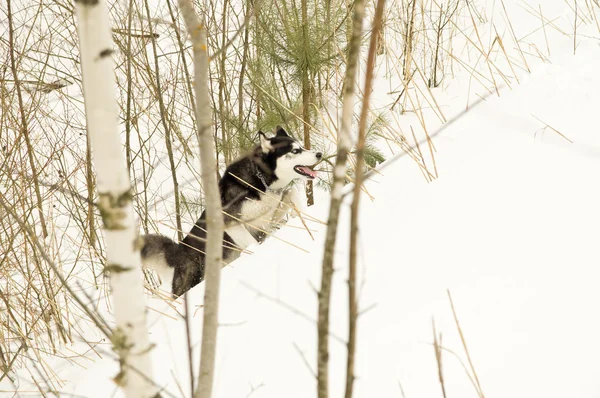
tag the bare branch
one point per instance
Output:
(339, 175)
(358, 185)
(214, 219)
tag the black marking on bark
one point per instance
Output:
(106, 53)
(112, 209)
(123, 348)
(87, 2)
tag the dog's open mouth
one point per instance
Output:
(306, 171)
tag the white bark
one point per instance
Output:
(214, 217)
(130, 337)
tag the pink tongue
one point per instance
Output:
(308, 171)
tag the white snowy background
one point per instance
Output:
(511, 228)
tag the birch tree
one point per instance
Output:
(214, 217)
(130, 337)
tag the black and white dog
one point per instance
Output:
(254, 193)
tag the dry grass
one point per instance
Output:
(464, 343)
(547, 126)
(45, 163)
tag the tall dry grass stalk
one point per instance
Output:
(464, 343)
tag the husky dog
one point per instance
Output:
(253, 190)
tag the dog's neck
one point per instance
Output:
(268, 178)
(276, 185)
(280, 186)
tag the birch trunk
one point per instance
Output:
(130, 337)
(214, 217)
(339, 175)
(358, 182)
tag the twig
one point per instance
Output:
(400, 155)
(24, 126)
(310, 369)
(288, 307)
(552, 128)
(438, 357)
(464, 343)
(105, 329)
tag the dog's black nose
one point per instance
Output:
(319, 155)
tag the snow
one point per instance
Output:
(510, 228)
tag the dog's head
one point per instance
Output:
(287, 158)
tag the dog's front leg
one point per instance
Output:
(240, 236)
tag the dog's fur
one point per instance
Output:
(252, 190)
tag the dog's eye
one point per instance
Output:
(296, 151)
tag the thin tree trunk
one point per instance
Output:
(359, 177)
(339, 175)
(214, 218)
(129, 90)
(258, 56)
(89, 181)
(437, 48)
(181, 45)
(243, 68)
(223, 114)
(306, 98)
(408, 42)
(130, 337)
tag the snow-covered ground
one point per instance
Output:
(511, 229)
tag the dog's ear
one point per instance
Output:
(280, 132)
(265, 143)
